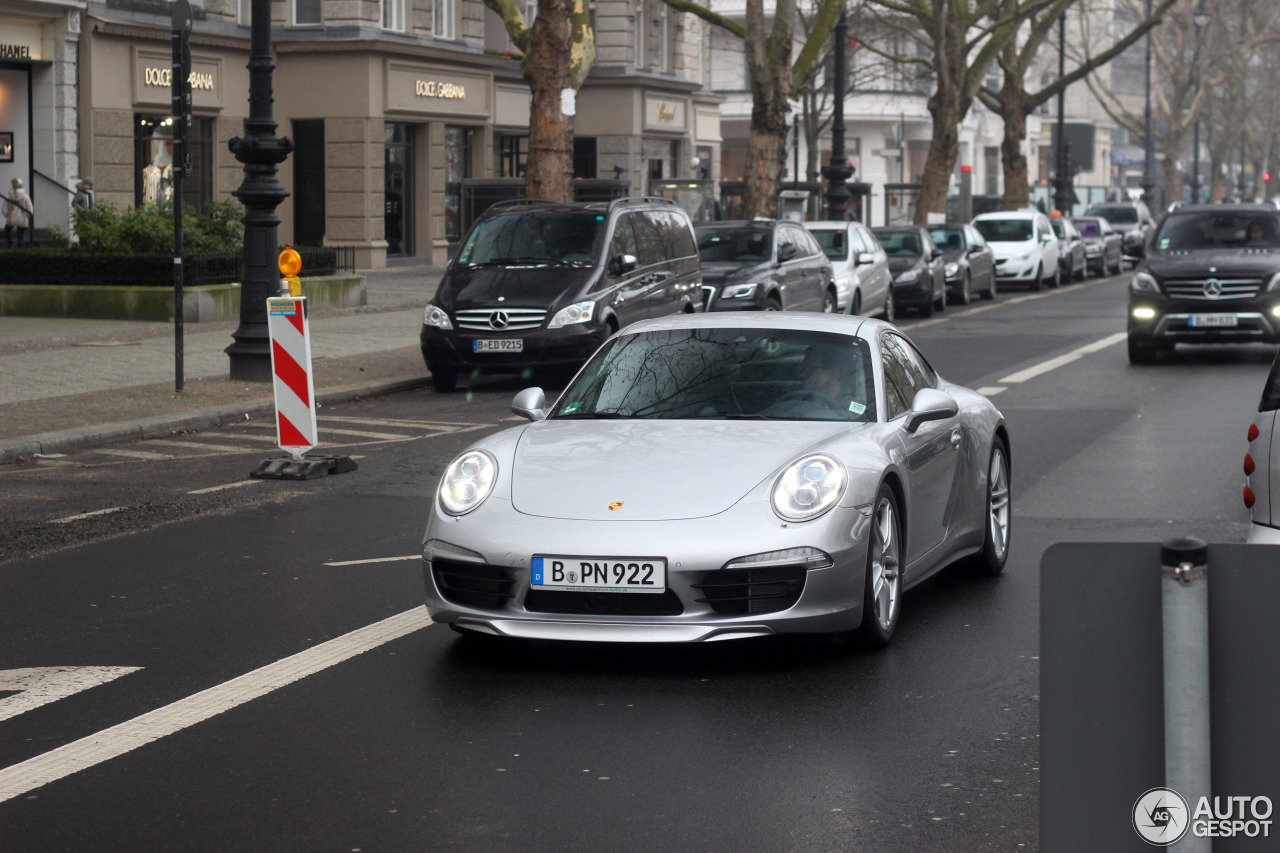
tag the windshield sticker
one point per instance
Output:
(1164, 243)
(570, 409)
(857, 408)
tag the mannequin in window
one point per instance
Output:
(157, 176)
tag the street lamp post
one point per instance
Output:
(837, 172)
(1148, 180)
(260, 150)
(1200, 18)
(1063, 195)
(1244, 35)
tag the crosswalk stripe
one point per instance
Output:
(133, 454)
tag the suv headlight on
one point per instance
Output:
(467, 482)
(1144, 283)
(436, 316)
(808, 487)
(745, 290)
(578, 312)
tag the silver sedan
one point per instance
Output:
(713, 477)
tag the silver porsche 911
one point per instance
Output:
(718, 476)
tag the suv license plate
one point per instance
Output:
(600, 574)
(499, 345)
(1204, 321)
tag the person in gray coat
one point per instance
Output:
(19, 213)
(84, 194)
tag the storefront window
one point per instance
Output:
(584, 157)
(512, 151)
(306, 12)
(457, 152)
(154, 162)
(398, 195)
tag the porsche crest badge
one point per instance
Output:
(615, 505)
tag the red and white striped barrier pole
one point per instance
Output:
(291, 374)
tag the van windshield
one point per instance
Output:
(535, 238)
(1005, 230)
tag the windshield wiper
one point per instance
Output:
(497, 262)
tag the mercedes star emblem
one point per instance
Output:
(1213, 288)
(498, 320)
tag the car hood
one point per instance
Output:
(655, 470)
(732, 272)
(1262, 263)
(901, 265)
(1011, 250)
(512, 287)
(953, 256)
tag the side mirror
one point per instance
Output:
(975, 250)
(530, 403)
(866, 258)
(930, 404)
(619, 264)
(935, 254)
(786, 253)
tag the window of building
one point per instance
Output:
(664, 34)
(153, 179)
(446, 14)
(584, 157)
(640, 12)
(457, 153)
(393, 15)
(244, 12)
(512, 152)
(308, 182)
(306, 13)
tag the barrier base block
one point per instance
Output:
(306, 468)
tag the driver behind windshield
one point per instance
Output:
(825, 371)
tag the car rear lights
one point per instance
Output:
(1248, 498)
(1249, 467)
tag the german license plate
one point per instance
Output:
(600, 574)
(1204, 321)
(498, 345)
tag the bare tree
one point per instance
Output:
(559, 50)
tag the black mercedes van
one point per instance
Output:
(539, 284)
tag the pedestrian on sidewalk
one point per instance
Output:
(19, 212)
(84, 194)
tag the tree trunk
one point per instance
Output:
(546, 70)
(1017, 188)
(1173, 188)
(766, 150)
(944, 148)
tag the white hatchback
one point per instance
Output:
(1025, 247)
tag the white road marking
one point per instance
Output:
(1066, 358)
(125, 737)
(199, 445)
(134, 454)
(991, 390)
(365, 434)
(375, 560)
(38, 686)
(224, 487)
(391, 422)
(71, 518)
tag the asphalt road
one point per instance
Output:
(288, 695)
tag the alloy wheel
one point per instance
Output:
(885, 565)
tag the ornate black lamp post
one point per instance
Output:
(1148, 180)
(1200, 18)
(1063, 194)
(260, 150)
(837, 172)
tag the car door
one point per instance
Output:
(935, 264)
(628, 280)
(795, 285)
(982, 262)
(931, 454)
(817, 265)
(655, 283)
(879, 283)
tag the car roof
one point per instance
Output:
(1008, 214)
(829, 225)
(1244, 207)
(843, 324)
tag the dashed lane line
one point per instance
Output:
(115, 741)
(133, 454)
(1066, 358)
(375, 560)
(83, 515)
(224, 487)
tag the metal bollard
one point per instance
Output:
(1184, 597)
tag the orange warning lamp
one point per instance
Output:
(290, 263)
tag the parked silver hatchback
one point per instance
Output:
(860, 265)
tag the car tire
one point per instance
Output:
(963, 297)
(926, 310)
(1037, 280)
(1142, 352)
(1119, 267)
(1083, 272)
(1056, 281)
(829, 302)
(855, 303)
(882, 583)
(990, 292)
(999, 516)
(890, 312)
(444, 381)
(772, 303)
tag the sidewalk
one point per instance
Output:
(67, 384)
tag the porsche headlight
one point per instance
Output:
(738, 291)
(467, 482)
(436, 316)
(1144, 283)
(808, 488)
(578, 312)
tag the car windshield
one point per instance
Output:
(1213, 230)
(534, 238)
(1088, 228)
(1123, 215)
(1005, 230)
(948, 239)
(735, 243)
(1059, 229)
(900, 244)
(834, 243)
(725, 374)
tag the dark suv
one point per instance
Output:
(1211, 275)
(764, 265)
(1134, 222)
(539, 284)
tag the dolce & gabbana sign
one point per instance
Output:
(414, 88)
(153, 79)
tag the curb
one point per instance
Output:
(96, 436)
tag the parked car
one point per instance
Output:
(1101, 244)
(919, 277)
(969, 265)
(1262, 465)
(541, 285)
(1210, 275)
(1133, 220)
(763, 265)
(860, 266)
(1025, 247)
(745, 475)
(1072, 260)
